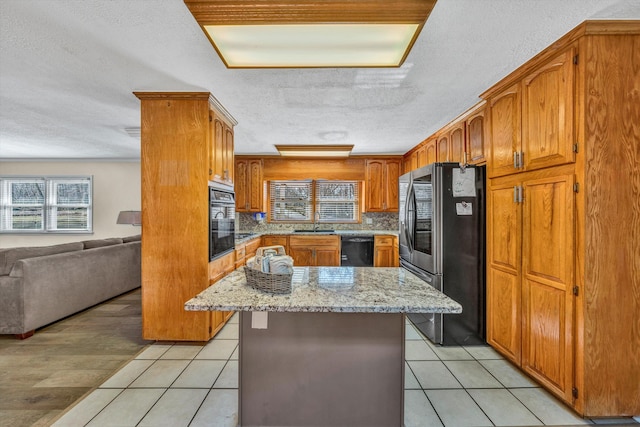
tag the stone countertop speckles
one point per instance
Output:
(240, 240)
(330, 289)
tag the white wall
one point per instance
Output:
(116, 187)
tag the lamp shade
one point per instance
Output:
(129, 217)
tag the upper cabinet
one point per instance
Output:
(220, 148)
(381, 183)
(547, 113)
(249, 185)
(457, 143)
(442, 148)
(462, 141)
(532, 120)
(475, 136)
(504, 133)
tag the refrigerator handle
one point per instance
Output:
(410, 213)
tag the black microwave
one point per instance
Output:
(221, 220)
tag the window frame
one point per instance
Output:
(50, 206)
(314, 202)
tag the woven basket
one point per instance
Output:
(268, 282)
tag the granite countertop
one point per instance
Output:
(330, 289)
(247, 236)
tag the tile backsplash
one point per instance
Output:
(379, 221)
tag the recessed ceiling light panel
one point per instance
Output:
(311, 33)
(314, 45)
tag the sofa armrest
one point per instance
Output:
(11, 305)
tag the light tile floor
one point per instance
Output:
(177, 384)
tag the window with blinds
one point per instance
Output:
(291, 201)
(299, 201)
(45, 204)
(337, 201)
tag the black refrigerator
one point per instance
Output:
(442, 240)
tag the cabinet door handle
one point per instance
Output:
(521, 194)
(515, 160)
(515, 194)
(521, 159)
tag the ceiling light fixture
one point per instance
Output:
(299, 34)
(314, 150)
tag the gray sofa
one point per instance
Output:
(40, 285)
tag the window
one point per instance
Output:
(300, 201)
(45, 204)
(291, 201)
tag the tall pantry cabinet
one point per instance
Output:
(186, 141)
(563, 231)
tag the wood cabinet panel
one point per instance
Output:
(503, 313)
(327, 256)
(276, 240)
(503, 284)
(547, 113)
(302, 255)
(249, 185)
(385, 251)
(505, 131)
(442, 149)
(430, 151)
(381, 185)
(179, 143)
(457, 143)
(548, 266)
(315, 250)
(476, 138)
(421, 157)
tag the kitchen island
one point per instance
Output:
(329, 353)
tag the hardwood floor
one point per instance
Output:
(43, 375)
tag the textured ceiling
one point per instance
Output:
(68, 69)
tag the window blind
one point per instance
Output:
(290, 200)
(337, 201)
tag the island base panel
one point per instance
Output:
(322, 369)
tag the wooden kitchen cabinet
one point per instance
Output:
(410, 162)
(176, 156)
(505, 131)
(430, 152)
(475, 135)
(381, 182)
(249, 185)
(246, 250)
(442, 148)
(273, 240)
(457, 142)
(385, 251)
(315, 250)
(532, 120)
(530, 305)
(221, 145)
(560, 280)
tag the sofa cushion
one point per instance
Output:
(98, 243)
(135, 238)
(9, 256)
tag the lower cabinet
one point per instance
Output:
(385, 251)
(274, 239)
(315, 250)
(530, 277)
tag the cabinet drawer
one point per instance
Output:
(333, 240)
(384, 240)
(274, 240)
(240, 253)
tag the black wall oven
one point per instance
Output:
(221, 220)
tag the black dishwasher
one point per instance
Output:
(357, 250)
